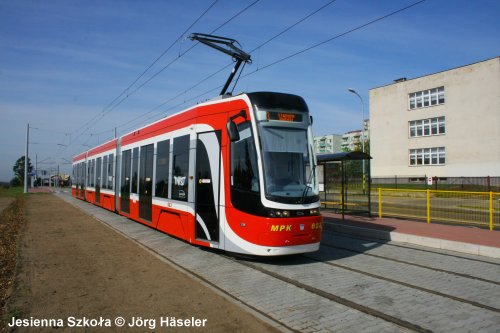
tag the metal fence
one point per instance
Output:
(458, 207)
(472, 208)
(423, 182)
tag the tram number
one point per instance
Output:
(315, 226)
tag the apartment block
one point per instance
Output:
(327, 144)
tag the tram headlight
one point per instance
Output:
(279, 213)
(314, 211)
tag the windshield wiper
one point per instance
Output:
(306, 189)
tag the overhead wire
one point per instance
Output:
(359, 27)
(189, 49)
(308, 48)
(181, 55)
(109, 107)
(226, 66)
(336, 37)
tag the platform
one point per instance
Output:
(464, 239)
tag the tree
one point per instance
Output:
(358, 146)
(18, 169)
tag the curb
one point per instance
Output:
(443, 244)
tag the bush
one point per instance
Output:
(15, 182)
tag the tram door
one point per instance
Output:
(207, 185)
(98, 181)
(146, 182)
(125, 182)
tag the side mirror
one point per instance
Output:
(232, 131)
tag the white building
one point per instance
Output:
(352, 139)
(327, 144)
(445, 124)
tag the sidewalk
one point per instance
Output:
(465, 239)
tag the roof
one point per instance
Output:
(344, 156)
(445, 70)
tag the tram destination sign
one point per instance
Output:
(284, 116)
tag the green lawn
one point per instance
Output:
(11, 191)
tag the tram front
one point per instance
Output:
(274, 183)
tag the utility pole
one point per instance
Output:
(26, 159)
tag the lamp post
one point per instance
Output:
(362, 131)
(25, 185)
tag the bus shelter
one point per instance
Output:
(346, 182)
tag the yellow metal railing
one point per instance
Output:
(474, 208)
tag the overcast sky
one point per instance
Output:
(63, 63)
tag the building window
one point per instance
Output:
(426, 98)
(427, 127)
(427, 156)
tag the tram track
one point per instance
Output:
(335, 298)
(412, 264)
(260, 266)
(409, 285)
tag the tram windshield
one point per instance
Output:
(288, 165)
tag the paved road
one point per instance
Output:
(350, 285)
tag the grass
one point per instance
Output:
(11, 223)
(11, 192)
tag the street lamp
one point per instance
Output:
(362, 130)
(363, 120)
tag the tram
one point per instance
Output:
(236, 173)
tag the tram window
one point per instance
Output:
(92, 173)
(89, 165)
(135, 166)
(146, 170)
(180, 168)
(105, 172)
(162, 160)
(244, 173)
(125, 175)
(111, 160)
(98, 171)
(92, 179)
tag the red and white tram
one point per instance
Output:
(237, 173)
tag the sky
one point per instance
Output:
(76, 70)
